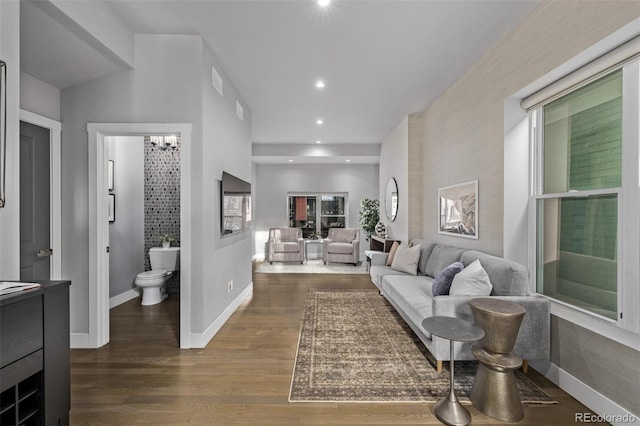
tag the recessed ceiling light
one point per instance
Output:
(320, 84)
(291, 161)
(324, 3)
(348, 161)
(319, 121)
(318, 141)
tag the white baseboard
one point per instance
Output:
(124, 297)
(200, 340)
(79, 341)
(259, 256)
(609, 410)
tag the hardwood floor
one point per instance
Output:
(242, 376)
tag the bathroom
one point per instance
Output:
(143, 174)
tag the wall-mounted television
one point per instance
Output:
(236, 205)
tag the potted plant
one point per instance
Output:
(166, 240)
(369, 215)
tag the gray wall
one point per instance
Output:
(126, 234)
(171, 83)
(273, 182)
(394, 163)
(39, 97)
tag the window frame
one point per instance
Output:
(628, 198)
(319, 215)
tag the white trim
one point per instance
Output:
(200, 340)
(124, 297)
(588, 396)
(79, 341)
(98, 225)
(596, 324)
(259, 256)
(55, 129)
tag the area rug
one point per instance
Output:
(354, 347)
(314, 266)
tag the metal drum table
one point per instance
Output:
(449, 410)
(494, 389)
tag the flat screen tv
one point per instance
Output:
(236, 205)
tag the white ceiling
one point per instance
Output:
(381, 60)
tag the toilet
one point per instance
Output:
(164, 261)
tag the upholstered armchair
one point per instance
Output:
(342, 245)
(286, 245)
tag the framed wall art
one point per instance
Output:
(458, 210)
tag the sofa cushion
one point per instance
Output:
(472, 280)
(412, 295)
(286, 247)
(340, 248)
(377, 272)
(441, 257)
(425, 248)
(343, 235)
(508, 278)
(406, 259)
(443, 281)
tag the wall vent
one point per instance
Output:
(239, 111)
(216, 80)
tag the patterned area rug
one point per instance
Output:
(313, 266)
(354, 347)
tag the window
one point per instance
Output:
(579, 182)
(315, 214)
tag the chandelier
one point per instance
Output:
(164, 142)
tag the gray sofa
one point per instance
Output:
(411, 296)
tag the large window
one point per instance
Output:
(315, 214)
(578, 188)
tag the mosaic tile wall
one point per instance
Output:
(161, 201)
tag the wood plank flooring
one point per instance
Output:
(243, 376)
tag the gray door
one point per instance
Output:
(35, 223)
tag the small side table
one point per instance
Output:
(306, 247)
(449, 410)
(494, 389)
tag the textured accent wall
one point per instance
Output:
(468, 120)
(161, 201)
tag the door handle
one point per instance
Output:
(44, 253)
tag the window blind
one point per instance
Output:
(584, 75)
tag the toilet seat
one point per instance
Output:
(151, 275)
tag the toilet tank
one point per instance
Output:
(165, 258)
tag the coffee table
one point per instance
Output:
(449, 410)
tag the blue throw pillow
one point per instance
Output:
(443, 281)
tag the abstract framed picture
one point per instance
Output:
(458, 210)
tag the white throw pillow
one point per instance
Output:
(406, 259)
(472, 280)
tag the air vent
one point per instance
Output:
(239, 111)
(216, 80)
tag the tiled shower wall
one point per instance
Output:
(161, 201)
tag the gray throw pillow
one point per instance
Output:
(406, 259)
(443, 281)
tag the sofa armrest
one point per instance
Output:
(379, 258)
(534, 337)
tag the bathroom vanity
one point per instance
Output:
(34, 356)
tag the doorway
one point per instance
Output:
(99, 223)
(40, 200)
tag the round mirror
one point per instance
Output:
(391, 199)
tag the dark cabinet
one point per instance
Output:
(34, 356)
